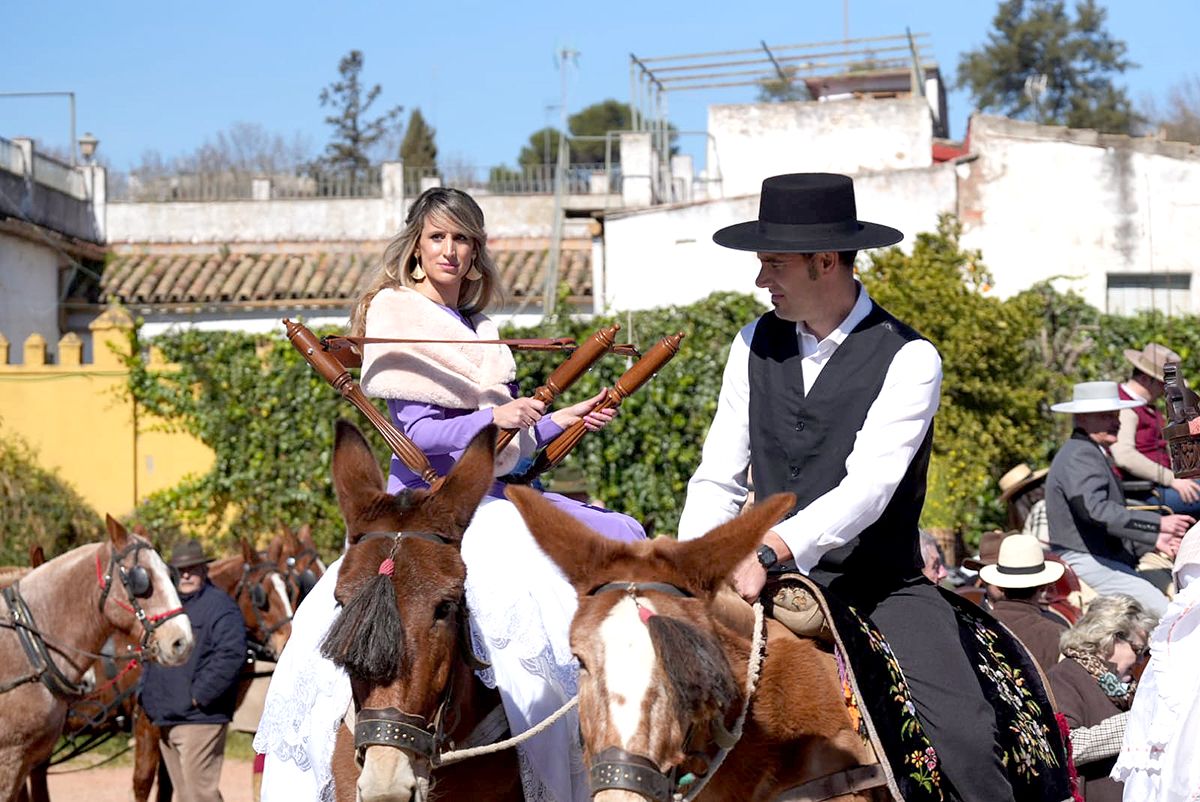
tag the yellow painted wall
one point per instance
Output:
(81, 426)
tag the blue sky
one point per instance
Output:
(166, 76)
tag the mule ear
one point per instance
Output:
(37, 555)
(249, 555)
(708, 561)
(467, 483)
(571, 545)
(116, 532)
(304, 535)
(356, 475)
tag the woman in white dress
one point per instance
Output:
(435, 280)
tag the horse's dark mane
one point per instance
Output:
(700, 677)
(384, 507)
(367, 639)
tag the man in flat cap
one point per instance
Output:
(831, 398)
(192, 704)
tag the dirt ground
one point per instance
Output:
(112, 783)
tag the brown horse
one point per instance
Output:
(401, 632)
(299, 562)
(57, 617)
(663, 666)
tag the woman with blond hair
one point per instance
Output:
(435, 280)
(1094, 685)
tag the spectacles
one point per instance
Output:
(1139, 650)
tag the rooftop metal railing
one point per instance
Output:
(538, 179)
(241, 186)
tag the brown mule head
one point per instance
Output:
(657, 672)
(398, 634)
(138, 597)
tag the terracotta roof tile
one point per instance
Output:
(187, 278)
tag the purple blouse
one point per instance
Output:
(444, 434)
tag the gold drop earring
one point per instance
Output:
(473, 274)
(418, 272)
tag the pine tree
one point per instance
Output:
(1077, 57)
(354, 132)
(418, 148)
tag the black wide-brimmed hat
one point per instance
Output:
(807, 213)
(189, 555)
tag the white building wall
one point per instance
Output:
(665, 255)
(752, 141)
(28, 293)
(1043, 201)
(313, 220)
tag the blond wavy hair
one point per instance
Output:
(1108, 618)
(399, 257)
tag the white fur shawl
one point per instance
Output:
(457, 376)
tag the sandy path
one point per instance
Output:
(112, 783)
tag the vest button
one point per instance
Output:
(794, 471)
(799, 426)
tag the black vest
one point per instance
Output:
(799, 444)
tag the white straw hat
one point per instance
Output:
(1022, 564)
(1096, 397)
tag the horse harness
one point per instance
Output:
(389, 726)
(260, 602)
(137, 585)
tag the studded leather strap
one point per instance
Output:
(616, 769)
(390, 727)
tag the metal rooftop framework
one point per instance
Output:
(882, 66)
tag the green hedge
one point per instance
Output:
(38, 507)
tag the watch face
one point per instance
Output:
(767, 556)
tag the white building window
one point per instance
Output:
(1130, 293)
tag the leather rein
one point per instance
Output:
(136, 582)
(348, 350)
(390, 726)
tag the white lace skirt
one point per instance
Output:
(521, 610)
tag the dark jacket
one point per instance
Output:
(209, 677)
(1039, 634)
(1085, 505)
(1080, 699)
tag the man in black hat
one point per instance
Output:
(193, 703)
(831, 398)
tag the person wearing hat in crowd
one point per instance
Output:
(192, 704)
(831, 398)
(1091, 529)
(989, 553)
(1019, 575)
(1141, 451)
(1159, 757)
(1023, 492)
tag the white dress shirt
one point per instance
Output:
(890, 436)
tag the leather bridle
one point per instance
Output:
(619, 770)
(301, 581)
(259, 602)
(137, 584)
(390, 726)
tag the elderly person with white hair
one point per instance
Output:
(1093, 686)
(1160, 758)
(1090, 527)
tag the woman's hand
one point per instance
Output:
(593, 420)
(520, 413)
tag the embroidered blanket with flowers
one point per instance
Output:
(877, 695)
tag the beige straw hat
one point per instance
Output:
(1022, 564)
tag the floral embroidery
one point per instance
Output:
(1029, 750)
(856, 718)
(922, 760)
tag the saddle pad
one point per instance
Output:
(1033, 748)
